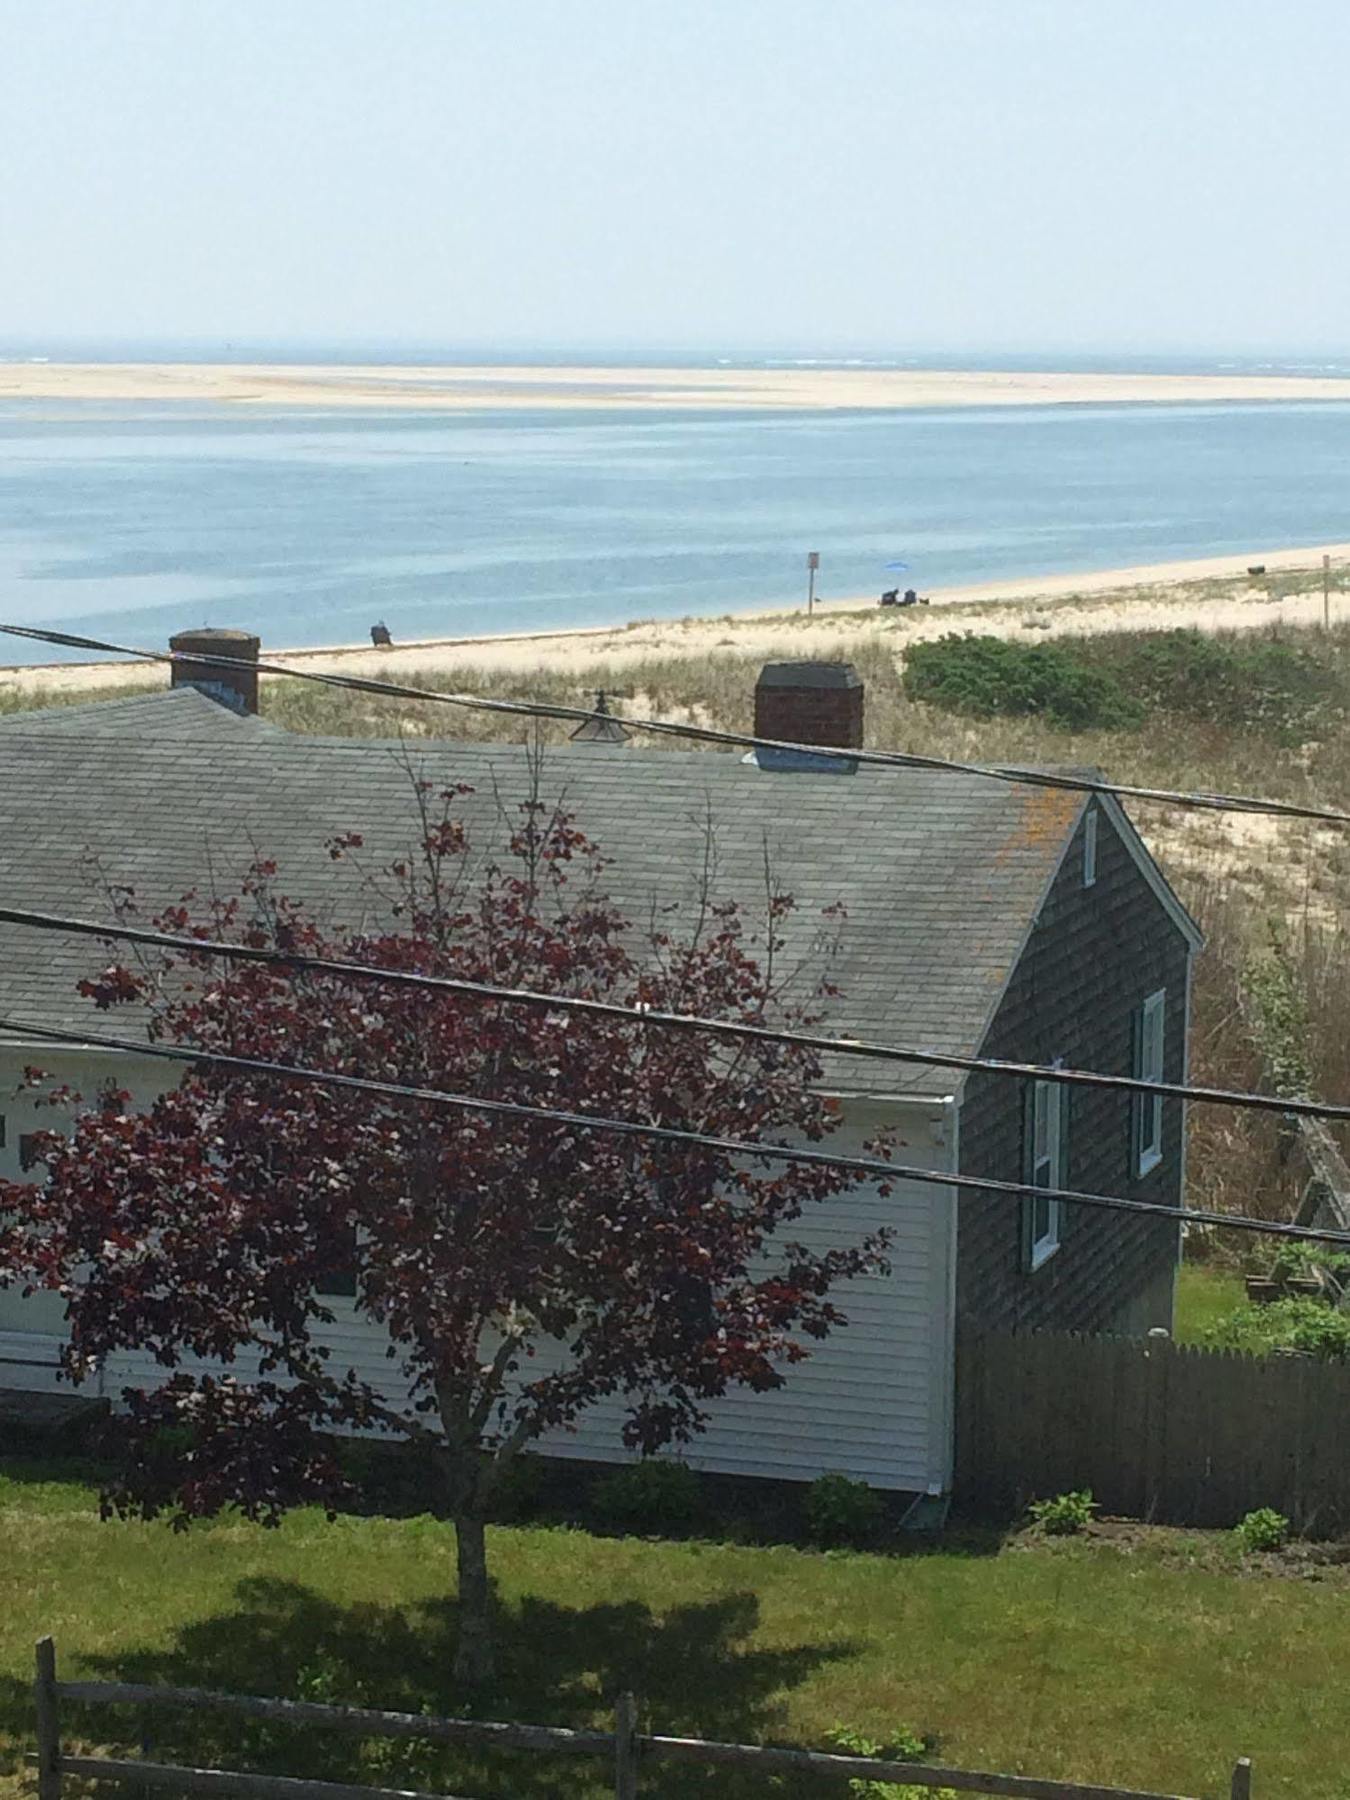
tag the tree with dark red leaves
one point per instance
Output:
(516, 1271)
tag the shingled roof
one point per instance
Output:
(940, 875)
(159, 713)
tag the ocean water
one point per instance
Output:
(308, 526)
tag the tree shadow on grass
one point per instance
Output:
(694, 1668)
(16, 1724)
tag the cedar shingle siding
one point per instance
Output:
(1091, 959)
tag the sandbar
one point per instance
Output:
(471, 389)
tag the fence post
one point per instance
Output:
(625, 1748)
(1242, 1779)
(48, 1730)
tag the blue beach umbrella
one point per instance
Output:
(897, 565)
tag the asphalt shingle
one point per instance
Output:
(940, 875)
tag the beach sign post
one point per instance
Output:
(1326, 591)
(812, 564)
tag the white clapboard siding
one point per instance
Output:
(28, 1361)
(32, 1329)
(874, 1400)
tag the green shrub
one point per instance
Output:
(1248, 682)
(840, 1510)
(1280, 1021)
(320, 1680)
(171, 1442)
(902, 1745)
(518, 1490)
(647, 1496)
(1065, 1515)
(1264, 1529)
(1294, 1260)
(1300, 1323)
(989, 677)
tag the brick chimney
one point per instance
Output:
(235, 688)
(810, 703)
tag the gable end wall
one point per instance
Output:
(1092, 957)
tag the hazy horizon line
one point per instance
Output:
(524, 350)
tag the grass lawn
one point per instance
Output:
(1205, 1294)
(1149, 1659)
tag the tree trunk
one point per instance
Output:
(473, 1652)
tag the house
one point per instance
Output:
(982, 917)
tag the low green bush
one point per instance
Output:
(320, 1680)
(989, 677)
(1244, 682)
(1264, 1529)
(901, 1745)
(1279, 1017)
(649, 1496)
(1254, 681)
(1302, 1324)
(1293, 1261)
(1065, 1515)
(841, 1511)
(518, 1490)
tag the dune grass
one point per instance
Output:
(21, 700)
(1150, 1664)
(716, 687)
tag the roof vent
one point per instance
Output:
(235, 688)
(605, 729)
(809, 703)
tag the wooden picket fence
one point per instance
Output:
(625, 1748)
(1156, 1430)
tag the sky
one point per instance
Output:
(882, 175)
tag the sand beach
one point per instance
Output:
(1209, 593)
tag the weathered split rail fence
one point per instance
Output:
(625, 1748)
(1158, 1431)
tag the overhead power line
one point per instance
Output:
(547, 709)
(816, 1042)
(873, 1166)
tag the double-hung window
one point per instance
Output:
(1046, 1119)
(1149, 1045)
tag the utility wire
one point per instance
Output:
(669, 1134)
(642, 1015)
(541, 709)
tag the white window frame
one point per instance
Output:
(1149, 1058)
(1090, 847)
(1046, 1170)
